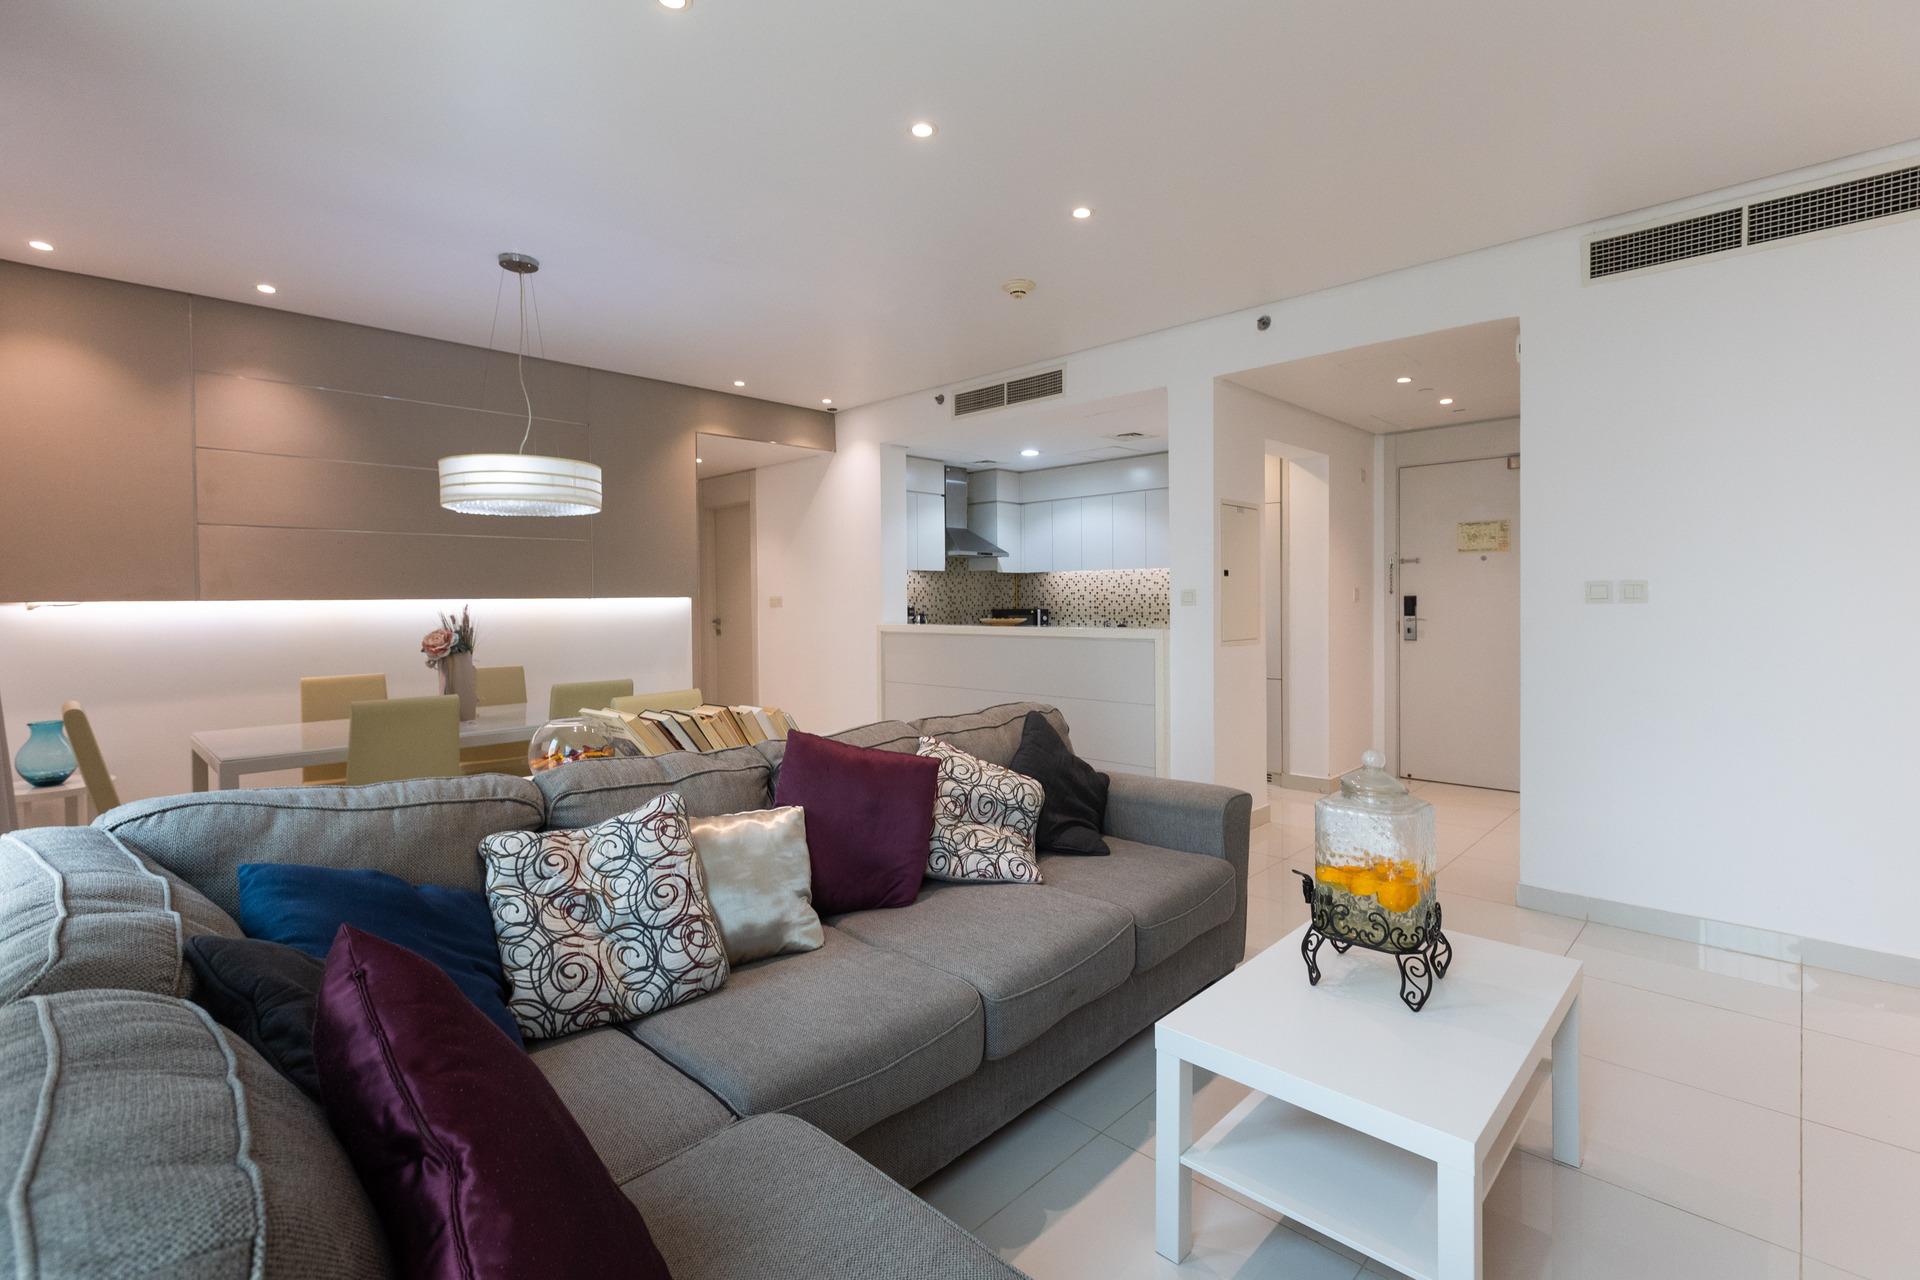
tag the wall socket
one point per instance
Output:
(1189, 596)
(1633, 591)
(1599, 593)
(774, 602)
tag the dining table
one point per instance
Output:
(224, 756)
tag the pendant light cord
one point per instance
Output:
(520, 364)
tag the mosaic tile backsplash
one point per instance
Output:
(1087, 598)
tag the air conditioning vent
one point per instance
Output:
(1797, 213)
(1036, 386)
(1840, 205)
(979, 399)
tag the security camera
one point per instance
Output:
(941, 398)
(1264, 323)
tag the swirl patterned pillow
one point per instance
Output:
(604, 924)
(983, 820)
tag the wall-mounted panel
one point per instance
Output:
(348, 426)
(314, 493)
(96, 439)
(646, 537)
(241, 563)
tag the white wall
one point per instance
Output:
(1309, 727)
(152, 673)
(1738, 430)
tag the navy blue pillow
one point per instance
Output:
(304, 907)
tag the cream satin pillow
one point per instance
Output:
(759, 881)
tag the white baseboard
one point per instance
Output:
(1746, 939)
(1302, 782)
(1262, 815)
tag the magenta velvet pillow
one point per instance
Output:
(477, 1167)
(869, 820)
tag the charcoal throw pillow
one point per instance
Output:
(604, 924)
(264, 992)
(983, 820)
(1075, 808)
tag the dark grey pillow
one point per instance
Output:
(1075, 805)
(266, 993)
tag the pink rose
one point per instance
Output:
(437, 644)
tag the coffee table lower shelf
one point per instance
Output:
(1367, 1194)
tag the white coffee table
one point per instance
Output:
(1374, 1125)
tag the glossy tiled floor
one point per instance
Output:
(1743, 1119)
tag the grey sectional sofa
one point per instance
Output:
(768, 1129)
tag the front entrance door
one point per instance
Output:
(1459, 605)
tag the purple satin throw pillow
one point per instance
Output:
(869, 820)
(477, 1167)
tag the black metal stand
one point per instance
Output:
(1423, 953)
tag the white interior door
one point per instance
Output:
(732, 618)
(1460, 659)
(1239, 573)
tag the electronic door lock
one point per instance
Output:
(1410, 617)
(1409, 628)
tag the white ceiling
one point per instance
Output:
(1474, 366)
(729, 191)
(1118, 427)
(724, 455)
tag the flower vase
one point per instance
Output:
(457, 677)
(45, 759)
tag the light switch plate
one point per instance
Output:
(774, 602)
(1599, 593)
(1189, 596)
(1633, 591)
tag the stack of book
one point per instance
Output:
(709, 727)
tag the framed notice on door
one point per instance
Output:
(1483, 535)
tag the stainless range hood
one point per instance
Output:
(962, 541)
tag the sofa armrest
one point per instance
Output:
(1195, 817)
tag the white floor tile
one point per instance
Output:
(1736, 1054)
(1517, 925)
(1270, 919)
(988, 1178)
(1111, 1087)
(1866, 1090)
(1491, 881)
(1502, 844)
(1093, 1218)
(1213, 1097)
(1882, 1013)
(1727, 979)
(1729, 1162)
(1814, 1269)
(1544, 1221)
(1859, 1204)
(1451, 838)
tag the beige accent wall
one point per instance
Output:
(157, 445)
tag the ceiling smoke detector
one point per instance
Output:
(1018, 287)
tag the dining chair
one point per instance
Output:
(389, 739)
(101, 793)
(329, 698)
(672, 700)
(498, 687)
(567, 699)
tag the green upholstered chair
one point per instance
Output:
(389, 739)
(567, 699)
(328, 698)
(498, 687)
(671, 700)
(101, 793)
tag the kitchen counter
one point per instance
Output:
(1109, 682)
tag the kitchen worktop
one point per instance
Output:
(1057, 633)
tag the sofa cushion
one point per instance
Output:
(477, 1167)
(140, 1139)
(760, 881)
(634, 1108)
(881, 735)
(1033, 952)
(869, 816)
(79, 909)
(426, 831)
(984, 817)
(1074, 807)
(1172, 897)
(815, 1209)
(841, 1037)
(589, 791)
(992, 734)
(265, 993)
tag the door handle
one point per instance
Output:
(716, 626)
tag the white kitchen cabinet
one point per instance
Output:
(928, 525)
(1130, 530)
(1159, 553)
(1035, 554)
(1069, 551)
(1096, 532)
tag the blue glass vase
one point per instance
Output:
(45, 759)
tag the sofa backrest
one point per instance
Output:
(993, 734)
(589, 791)
(427, 830)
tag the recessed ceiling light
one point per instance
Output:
(1403, 379)
(739, 382)
(1029, 453)
(826, 402)
(266, 288)
(41, 245)
(1083, 213)
(673, 4)
(1446, 399)
(923, 129)
(698, 461)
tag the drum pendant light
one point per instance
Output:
(519, 483)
